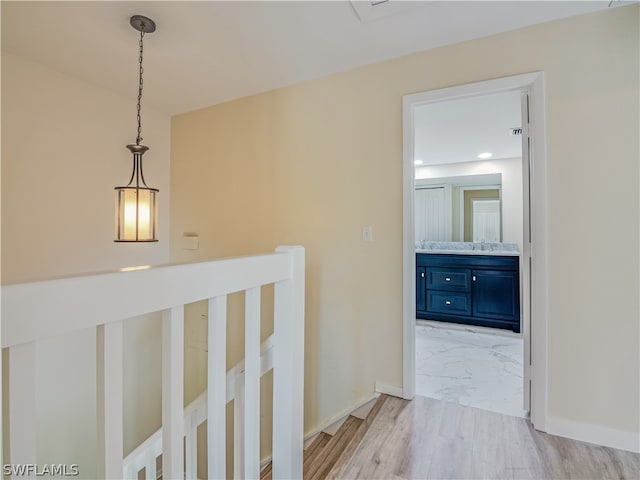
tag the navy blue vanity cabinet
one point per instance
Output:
(421, 274)
(471, 289)
(421, 285)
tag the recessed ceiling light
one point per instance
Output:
(418, 162)
(485, 155)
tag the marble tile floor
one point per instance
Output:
(477, 367)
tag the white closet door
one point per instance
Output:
(486, 220)
(431, 214)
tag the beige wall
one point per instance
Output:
(63, 151)
(312, 163)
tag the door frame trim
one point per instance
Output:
(533, 84)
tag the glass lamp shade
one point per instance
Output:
(136, 214)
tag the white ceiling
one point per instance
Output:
(208, 52)
(457, 131)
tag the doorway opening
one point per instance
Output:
(474, 212)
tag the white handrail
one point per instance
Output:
(39, 310)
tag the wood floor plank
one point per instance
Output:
(350, 449)
(309, 455)
(431, 439)
(414, 459)
(405, 444)
(319, 468)
(490, 449)
(453, 449)
(526, 462)
(266, 473)
(578, 459)
(370, 458)
(607, 462)
(314, 450)
(629, 463)
(549, 455)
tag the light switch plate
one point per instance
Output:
(367, 233)
(190, 241)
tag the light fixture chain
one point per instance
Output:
(136, 203)
(140, 85)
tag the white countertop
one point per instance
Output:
(468, 248)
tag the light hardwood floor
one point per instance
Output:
(432, 439)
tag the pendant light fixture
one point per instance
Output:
(136, 203)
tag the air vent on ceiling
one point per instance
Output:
(514, 132)
(370, 10)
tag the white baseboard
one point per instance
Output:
(584, 432)
(389, 390)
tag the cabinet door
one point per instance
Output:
(496, 294)
(421, 287)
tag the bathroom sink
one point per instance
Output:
(467, 248)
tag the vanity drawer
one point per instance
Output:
(449, 302)
(453, 279)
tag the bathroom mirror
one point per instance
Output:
(465, 208)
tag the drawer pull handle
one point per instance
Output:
(447, 302)
(474, 278)
(422, 274)
(447, 279)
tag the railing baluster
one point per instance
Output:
(191, 447)
(216, 388)
(288, 371)
(238, 427)
(172, 393)
(150, 466)
(130, 473)
(252, 384)
(109, 366)
(22, 404)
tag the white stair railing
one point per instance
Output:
(195, 414)
(39, 310)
